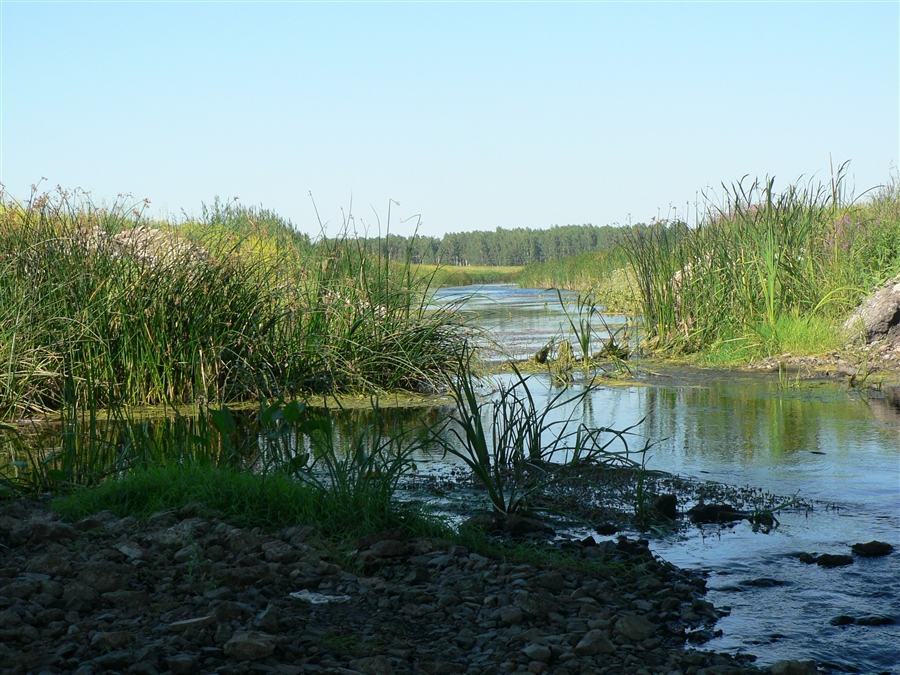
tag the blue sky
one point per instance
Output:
(474, 115)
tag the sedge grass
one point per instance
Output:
(232, 307)
(765, 270)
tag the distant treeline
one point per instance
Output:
(519, 246)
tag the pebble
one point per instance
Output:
(112, 594)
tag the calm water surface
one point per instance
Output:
(816, 440)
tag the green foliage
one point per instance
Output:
(760, 258)
(232, 307)
(522, 448)
(502, 247)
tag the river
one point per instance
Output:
(836, 448)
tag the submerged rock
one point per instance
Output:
(872, 549)
(715, 513)
(834, 560)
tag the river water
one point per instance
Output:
(831, 446)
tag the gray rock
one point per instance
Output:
(249, 646)
(879, 315)
(183, 625)
(105, 576)
(267, 620)
(389, 548)
(373, 665)
(594, 642)
(635, 627)
(112, 641)
(182, 664)
(791, 667)
(537, 652)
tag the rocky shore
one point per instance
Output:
(184, 592)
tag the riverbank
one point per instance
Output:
(184, 591)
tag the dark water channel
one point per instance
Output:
(826, 444)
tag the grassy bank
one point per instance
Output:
(235, 305)
(604, 274)
(469, 275)
(766, 271)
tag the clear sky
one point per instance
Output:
(474, 115)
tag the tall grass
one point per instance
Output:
(233, 306)
(516, 448)
(762, 263)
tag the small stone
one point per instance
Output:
(635, 627)
(373, 665)
(791, 667)
(833, 560)
(182, 664)
(111, 641)
(116, 661)
(267, 620)
(594, 642)
(249, 646)
(389, 548)
(872, 549)
(537, 652)
(510, 615)
(199, 622)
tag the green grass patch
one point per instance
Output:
(244, 499)
(468, 275)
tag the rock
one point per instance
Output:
(667, 506)
(511, 616)
(872, 549)
(115, 661)
(842, 620)
(249, 646)
(635, 627)
(182, 664)
(373, 665)
(389, 548)
(791, 667)
(51, 564)
(537, 604)
(267, 620)
(366, 542)
(833, 560)
(111, 641)
(538, 652)
(199, 622)
(594, 642)
(875, 621)
(715, 513)
(878, 317)
(807, 558)
(105, 576)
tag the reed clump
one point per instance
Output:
(763, 267)
(233, 306)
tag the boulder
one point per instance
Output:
(879, 316)
(872, 549)
(833, 560)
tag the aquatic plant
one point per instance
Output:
(515, 448)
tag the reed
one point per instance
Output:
(516, 449)
(758, 258)
(232, 307)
